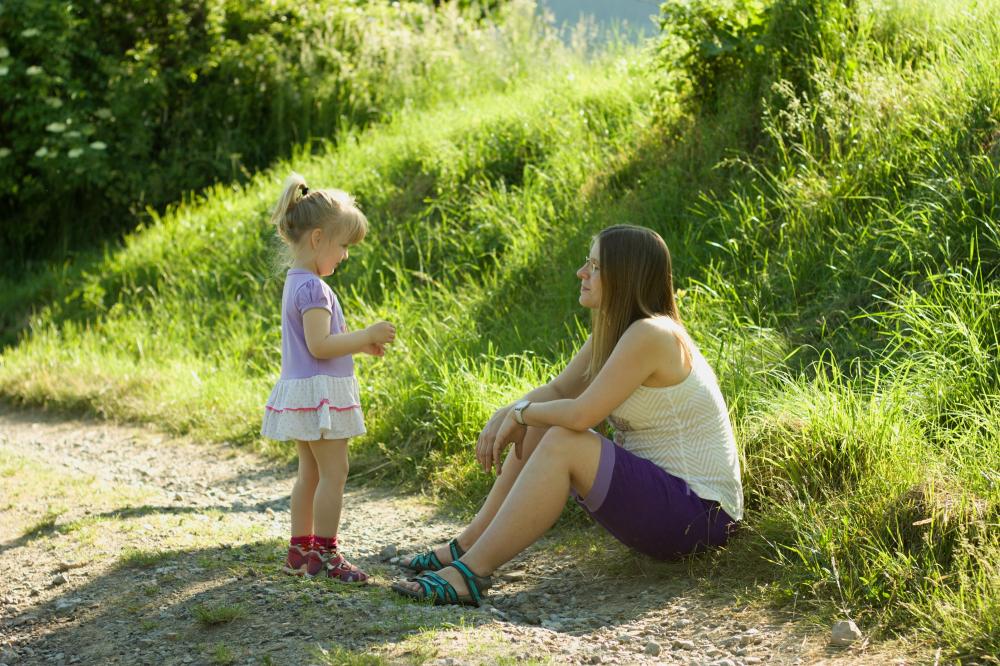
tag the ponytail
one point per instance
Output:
(300, 210)
(295, 190)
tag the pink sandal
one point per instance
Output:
(333, 565)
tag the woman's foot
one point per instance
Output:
(436, 559)
(435, 585)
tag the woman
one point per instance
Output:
(669, 483)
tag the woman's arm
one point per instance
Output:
(642, 350)
(569, 383)
(324, 344)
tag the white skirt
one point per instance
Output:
(319, 407)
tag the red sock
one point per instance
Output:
(303, 542)
(325, 543)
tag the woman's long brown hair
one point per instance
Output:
(636, 283)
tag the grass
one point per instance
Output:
(210, 615)
(836, 258)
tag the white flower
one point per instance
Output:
(75, 152)
(98, 145)
(4, 53)
(72, 134)
(4, 152)
(30, 32)
(34, 70)
(55, 128)
(54, 102)
(3, 70)
(42, 152)
(103, 114)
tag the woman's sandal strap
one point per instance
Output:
(425, 562)
(434, 586)
(472, 581)
(456, 550)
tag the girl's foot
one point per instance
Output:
(332, 564)
(296, 561)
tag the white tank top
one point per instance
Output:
(685, 430)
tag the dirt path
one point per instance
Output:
(121, 545)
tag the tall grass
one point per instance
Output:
(836, 258)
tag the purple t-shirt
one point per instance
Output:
(305, 291)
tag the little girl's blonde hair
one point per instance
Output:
(300, 210)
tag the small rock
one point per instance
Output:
(8, 656)
(725, 662)
(178, 497)
(652, 649)
(394, 560)
(66, 605)
(59, 579)
(388, 553)
(270, 512)
(514, 576)
(680, 644)
(752, 660)
(844, 633)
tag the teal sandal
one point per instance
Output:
(429, 561)
(435, 588)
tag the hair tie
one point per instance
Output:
(305, 190)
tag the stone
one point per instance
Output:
(681, 644)
(388, 553)
(844, 633)
(59, 579)
(8, 656)
(652, 649)
(514, 576)
(752, 660)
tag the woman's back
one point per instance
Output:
(685, 429)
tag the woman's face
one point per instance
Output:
(590, 279)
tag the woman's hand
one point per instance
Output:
(484, 445)
(510, 432)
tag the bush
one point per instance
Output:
(110, 108)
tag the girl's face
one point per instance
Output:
(330, 249)
(590, 279)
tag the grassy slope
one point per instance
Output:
(843, 287)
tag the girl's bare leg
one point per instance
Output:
(328, 500)
(303, 492)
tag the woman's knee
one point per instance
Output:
(558, 441)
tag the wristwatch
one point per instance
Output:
(519, 408)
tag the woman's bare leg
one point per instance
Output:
(510, 470)
(563, 459)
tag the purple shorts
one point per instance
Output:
(650, 510)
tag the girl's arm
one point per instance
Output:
(324, 344)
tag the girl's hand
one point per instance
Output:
(510, 432)
(374, 349)
(381, 333)
(484, 445)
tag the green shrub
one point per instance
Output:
(110, 108)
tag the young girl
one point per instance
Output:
(316, 401)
